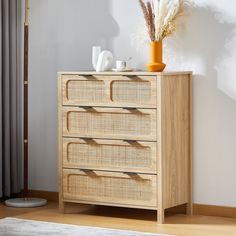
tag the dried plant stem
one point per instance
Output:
(152, 21)
(149, 18)
(162, 16)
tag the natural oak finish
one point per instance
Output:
(211, 210)
(110, 187)
(60, 135)
(175, 143)
(111, 123)
(115, 155)
(133, 73)
(127, 219)
(198, 209)
(109, 90)
(140, 115)
(190, 162)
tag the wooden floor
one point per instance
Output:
(129, 219)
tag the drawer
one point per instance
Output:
(115, 91)
(110, 187)
(113, 123)
(116, 155)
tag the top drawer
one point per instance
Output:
(116, 91)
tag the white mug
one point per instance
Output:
(121, 65)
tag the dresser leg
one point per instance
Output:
(189, 209)
(160, 216)
(61, 207)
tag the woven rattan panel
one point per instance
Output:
(108, 123)
(131, 91)
(109, 156)
(86, 91)
(115, 189)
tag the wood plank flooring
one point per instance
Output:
(129, 219)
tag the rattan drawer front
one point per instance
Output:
(116, 91)
(83, 89)
(114, 123)
(109, 187)
(117, 155)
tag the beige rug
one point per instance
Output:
(14, 226)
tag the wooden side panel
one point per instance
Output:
(160, 211)
(190, 200)
(61, 203)
(175, 139)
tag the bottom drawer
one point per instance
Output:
(110, 187)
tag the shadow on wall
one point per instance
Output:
(62, 33)
(86, 24)
(201, 48)
(206, 42)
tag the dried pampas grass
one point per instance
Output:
(162, 16)
(149, 18)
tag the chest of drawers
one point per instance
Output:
(125, 139)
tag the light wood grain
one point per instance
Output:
(175, 141)
(110, 123)
(198, 209)
(135, 73)
(160, 180)
(109, 187)
(190, 200)
(99, 127)
(211, 210)
(113, 204)
(60, 134)
(109, 91)
(115, 155)
(127, 219)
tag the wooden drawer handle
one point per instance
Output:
(89, 173)
(130, 76)
(130, 108)
(86, 138)
(130, 141)
(86, 170)
(86, 107)
(130, 173)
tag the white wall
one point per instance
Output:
(62, 33)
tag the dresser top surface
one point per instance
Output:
(111, 73)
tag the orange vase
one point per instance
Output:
(156, 64)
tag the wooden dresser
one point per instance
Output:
(125, 139)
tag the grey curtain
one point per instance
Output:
(11, 139)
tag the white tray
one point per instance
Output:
(122, 70)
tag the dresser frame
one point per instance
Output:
(173, 139)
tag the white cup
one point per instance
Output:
(121, 65)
